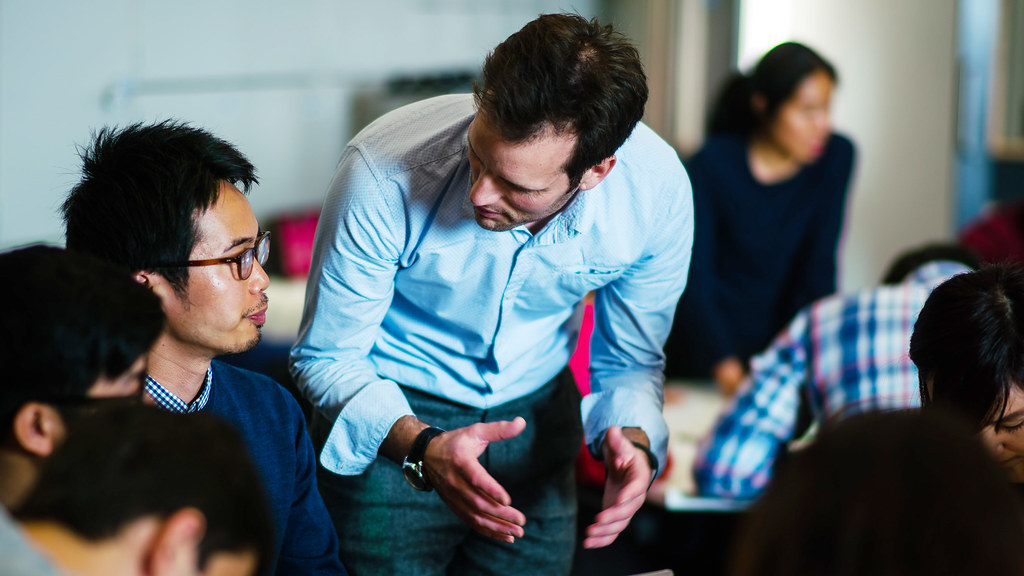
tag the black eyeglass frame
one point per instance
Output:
(259, 252)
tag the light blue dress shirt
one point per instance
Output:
(406, 288)
(20, 556)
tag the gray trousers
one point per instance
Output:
(386, 527)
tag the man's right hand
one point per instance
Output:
(452, 466)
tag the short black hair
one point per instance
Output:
(574, 74)
(126, 463)
(968, 343)
(142, 190)
(911, 493)
(910, 260)
(775, 78)
(70, 319)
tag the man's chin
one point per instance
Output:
(493, 225)
(256, 339)
(245, 346)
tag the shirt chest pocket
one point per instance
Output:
(565, 286)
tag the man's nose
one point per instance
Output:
(258, 280)
(484, 192)
(992, 439)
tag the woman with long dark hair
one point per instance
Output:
(769, 189)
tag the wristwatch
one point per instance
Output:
(412, 466)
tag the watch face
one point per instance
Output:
(414, 475)
(412, 465)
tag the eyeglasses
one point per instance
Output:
(259, 252)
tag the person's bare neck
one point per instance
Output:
(770, 164)
(537, 225)
(18, 471)
(74, 555)
(179, 368)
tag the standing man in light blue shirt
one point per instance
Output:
(457, 242)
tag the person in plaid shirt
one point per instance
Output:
(841, 355)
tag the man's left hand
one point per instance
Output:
(625, 488)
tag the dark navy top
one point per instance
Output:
(274, 428)
(760, 252)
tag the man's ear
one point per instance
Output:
(38, 428)
(174, 548)
(597, 173)
(156, 284)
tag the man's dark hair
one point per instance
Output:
(70, 319)
(968, 343)
(775, 78)
(911, 260)
(911, 493)
(130, 462)
(576, 75)
(142, 190)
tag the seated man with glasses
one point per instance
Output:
(160, 201)
(77, 333)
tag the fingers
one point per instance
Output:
(460, 450)
(466, 487)
(625, 489)
(617, 447)
(496, 431)
(476, 490)
(503, 523)
(471, 501)
(611, 522)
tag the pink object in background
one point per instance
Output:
(579, 362)
(589, 472)
(294, 235)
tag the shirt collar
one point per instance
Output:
(172, 403)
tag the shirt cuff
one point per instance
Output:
(625, 408)
(362, 426)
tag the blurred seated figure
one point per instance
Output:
(968, 345)
(997, 236)
(900, 493)
(136, 490)
(77, 332)
(769, 193)
(842, 355)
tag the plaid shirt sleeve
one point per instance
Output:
(735, 460)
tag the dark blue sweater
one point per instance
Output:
(760, 252)
(274, 428)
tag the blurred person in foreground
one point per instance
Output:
(841, 355)
(77, 335)
(911, 493)
(139, 491)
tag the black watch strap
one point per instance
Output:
(651, 459)
(412, 466)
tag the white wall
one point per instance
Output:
(277, 79)
(896, 98)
